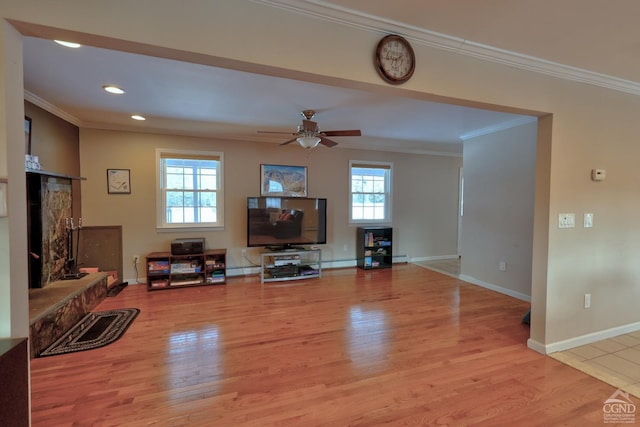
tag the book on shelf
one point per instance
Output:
(159, 283)
(215, 265)
(158, 266)
(186, 282)
(185, 267)
(185, 270)
(368, 239)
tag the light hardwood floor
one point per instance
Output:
(615, 361)
(400, 346)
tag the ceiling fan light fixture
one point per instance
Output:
(308, 141)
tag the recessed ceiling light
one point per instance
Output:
(68, 44)
(113, 89)
(138, 117)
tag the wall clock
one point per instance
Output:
(395, 60)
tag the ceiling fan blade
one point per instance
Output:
(309, 126)
(327, 142)
(354, 132)
(281, 133)
(288, 142)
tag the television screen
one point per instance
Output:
(286, 221)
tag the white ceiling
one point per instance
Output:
(191, 99)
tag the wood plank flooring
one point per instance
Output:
(402, 346)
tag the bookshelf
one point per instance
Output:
(167, 271)
(374, 247)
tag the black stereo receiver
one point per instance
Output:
(187, 246)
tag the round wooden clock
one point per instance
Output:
(395, 60)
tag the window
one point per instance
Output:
(190, 189)
(370, 192)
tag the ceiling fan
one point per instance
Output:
(309, 134)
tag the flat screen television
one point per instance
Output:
(285, 222)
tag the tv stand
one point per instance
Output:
(290, 264)
(166, 270)
(285, 248)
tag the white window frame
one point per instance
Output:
(388, 208)
(161, 223)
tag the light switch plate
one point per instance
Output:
(566, 220)
(588, 220)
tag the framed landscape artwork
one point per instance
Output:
(283, 180)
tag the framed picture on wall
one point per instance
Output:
(282, 180)
(119, 181)
(27, 135)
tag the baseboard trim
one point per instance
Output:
(243, 271)
(590, 338)
(537, 346)
(434, 258)
(510, 292)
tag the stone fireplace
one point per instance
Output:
(49, 209)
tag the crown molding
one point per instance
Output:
(363, 21)
(47, 106)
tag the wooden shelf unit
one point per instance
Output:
(167, 271)
(291, 265)
(374, 247)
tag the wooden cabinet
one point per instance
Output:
(14, 377)
(374, 247)
(291, 265)
(166, 271)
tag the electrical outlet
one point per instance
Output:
(244, 253)
(502, 266)
(136, 259)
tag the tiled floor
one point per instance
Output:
(615, 361)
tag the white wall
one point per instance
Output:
(497, 226)
(425, 192)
